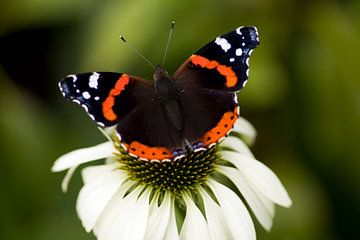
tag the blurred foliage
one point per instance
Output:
(303, 97)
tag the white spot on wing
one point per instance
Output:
(76, 101)
(235, 99)
(238, 30)
(93, 81)
(118, 136)
(86, 95)
(199, 149)
(244, 84)
(74, 78)
(61, 89)
(178, 157)
(232, 59)
(211, 145)
(101, 124)
(133, 155)
(238, 52)
(85, 107)
(97, 98)
(238, 110)
(223, 43)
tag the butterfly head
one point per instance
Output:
(160, 73)
(164, 86)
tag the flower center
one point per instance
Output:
(184, 174)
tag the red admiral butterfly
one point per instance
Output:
(195, 108)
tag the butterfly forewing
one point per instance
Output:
(99, 92)
(223, 63)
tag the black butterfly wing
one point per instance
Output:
(208, 80)
(128, 101)
(208, 116)
(223, 63)
(96, 93)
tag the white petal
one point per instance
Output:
(217, 226)
(158, 219)
(107, 132)
(194, 226)
(90, 173)
(260, 176)
(66, 180)
(245, 128)
(255, 202)
(97, 193)
(125, 218)
(172, 232)
(237, 216)
(83, 155)
(237, 145)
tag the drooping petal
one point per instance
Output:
(194, 226)
(237, 145)
(97, 193)
(255, 202)
(66, 180)
(172, 232)
(125, 218)
(246, 129)
(235, 213)
(79, 156)
(217, 226)
(260, 177)
(107, 132)
(158, 219)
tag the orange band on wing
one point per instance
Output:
(146, 152)
(109, 102)
(227, 72)
(223, 127)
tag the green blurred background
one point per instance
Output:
(303, 97)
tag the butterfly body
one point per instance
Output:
(157, 120)
(166, 93)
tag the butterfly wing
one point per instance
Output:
(208, 80)
(128, 101)
(208, 116)
(96, 93)
(223, 63)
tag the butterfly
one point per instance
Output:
(158, 120)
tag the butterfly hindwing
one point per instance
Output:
(208, 116)
(223, 63)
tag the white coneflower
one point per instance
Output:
(197, 197)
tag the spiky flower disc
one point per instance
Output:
(176, 176)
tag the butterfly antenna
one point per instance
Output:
(168, 42)
(136, 51)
